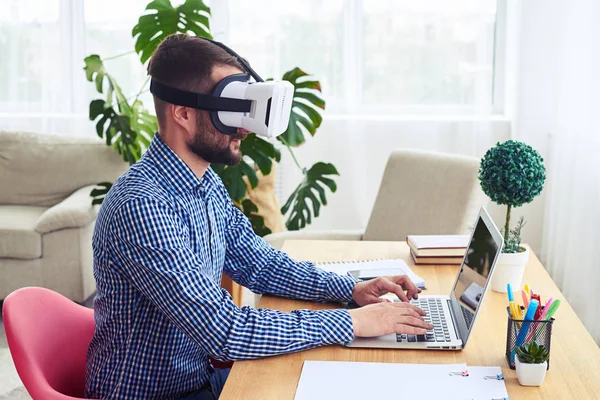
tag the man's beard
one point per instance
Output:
(211, 145)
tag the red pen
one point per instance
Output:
(538, 311)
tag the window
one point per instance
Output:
(376, 56)
(108, 34)
(32, 56)
(372, 57)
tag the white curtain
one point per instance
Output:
(42, 45)
(572, 217)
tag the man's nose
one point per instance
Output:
(243, 131)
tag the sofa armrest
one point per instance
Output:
(76, 211)
(276, 240)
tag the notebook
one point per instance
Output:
(438, 245)
(342, 268)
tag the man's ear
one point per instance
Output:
(183, 116)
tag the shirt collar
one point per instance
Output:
(177, 172)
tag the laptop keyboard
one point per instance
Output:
(468, 316)
(435, 316)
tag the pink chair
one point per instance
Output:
(48, 337)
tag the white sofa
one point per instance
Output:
(46, 213)
(421, 193)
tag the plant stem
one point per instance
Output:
(293, 156)
(118, 55)
(507, 225)
(142, 88)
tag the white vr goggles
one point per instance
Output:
(260, 107)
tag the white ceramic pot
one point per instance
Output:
(530, 374)
(509, 269)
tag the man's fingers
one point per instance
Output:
(392, 287)
(411, 312)
(410, 306)
(416, 322)
(408, 285)
(410, 330)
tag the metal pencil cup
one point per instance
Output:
(536, 331)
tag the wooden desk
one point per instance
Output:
(575, 358)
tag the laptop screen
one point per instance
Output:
(475, 270)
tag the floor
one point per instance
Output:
(10, 384)
(11, 387)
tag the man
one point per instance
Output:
(166, 232)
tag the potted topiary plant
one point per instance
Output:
(531, 363)
(512, 174)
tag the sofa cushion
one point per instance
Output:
(76, 211)
(43, 169)
(17, 237)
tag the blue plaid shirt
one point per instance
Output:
(162, 240)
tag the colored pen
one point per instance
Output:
(552, 309)
(533, 305)
(527, 290)
(515, 312)
(513, 307)
(525, 299)
(549, 314)
(540, 318)
(538, 312)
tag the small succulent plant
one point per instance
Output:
(532, 353)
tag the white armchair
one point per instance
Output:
(46, 216)
(420, 193)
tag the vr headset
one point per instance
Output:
(260, 107)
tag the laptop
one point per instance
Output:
(453, 316)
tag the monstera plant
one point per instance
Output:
(126, 125)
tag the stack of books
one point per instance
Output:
(437, 249)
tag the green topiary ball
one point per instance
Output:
(512, 173)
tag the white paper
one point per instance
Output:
(480, 388)
(342, 268)
(360, 381)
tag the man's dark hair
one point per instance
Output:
(185, 62)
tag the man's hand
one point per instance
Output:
(368, 292)
(385, 318)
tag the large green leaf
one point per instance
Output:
(152, 28)
(257, 221)
(100, 192)
(261, 152)
(258, 150)
(116, 130)
(233, 178)
(96, 72)
(305, 113)
(143, 123)
(313, 185)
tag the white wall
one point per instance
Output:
(534, 98)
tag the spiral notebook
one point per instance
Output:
(343, 267)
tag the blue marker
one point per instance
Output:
(533, 305)
(510, 293)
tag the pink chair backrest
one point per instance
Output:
(48, 337)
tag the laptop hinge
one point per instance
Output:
(454, 321)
